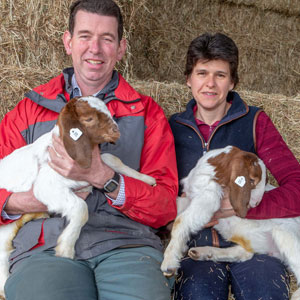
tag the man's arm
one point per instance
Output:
(154, 206)
(24, 202)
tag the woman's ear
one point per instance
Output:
(188, 83)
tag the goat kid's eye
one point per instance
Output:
(89, 120)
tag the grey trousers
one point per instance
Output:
(121, 274)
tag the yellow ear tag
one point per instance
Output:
(240, 181)
(75, 133)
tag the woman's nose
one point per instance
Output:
(210, 81)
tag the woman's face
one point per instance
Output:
(210, 83)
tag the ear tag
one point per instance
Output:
(75, 133)
(240, 181)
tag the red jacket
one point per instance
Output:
(154, 207)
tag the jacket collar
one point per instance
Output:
(117, 89)
(238, 108)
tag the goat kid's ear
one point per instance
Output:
(74, 137)
(239, 188)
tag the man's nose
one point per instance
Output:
(95, 46)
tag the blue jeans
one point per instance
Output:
(261, 278)
(120, 274)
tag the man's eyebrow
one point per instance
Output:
(102, 34)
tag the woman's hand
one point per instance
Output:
(225, 210)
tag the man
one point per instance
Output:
(118, 254)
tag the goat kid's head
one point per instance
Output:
(244, 174)
(84, 123)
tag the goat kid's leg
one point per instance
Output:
(117, 165)
(77, 216)
(288, 243)
(7, 233)
(231, 254)
(190, 221)
(51, 190)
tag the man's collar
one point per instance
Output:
(74, 90)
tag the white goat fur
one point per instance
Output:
(277, 237)
(27, 167)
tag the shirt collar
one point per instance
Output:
(111, 86)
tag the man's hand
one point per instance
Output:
(97, 175)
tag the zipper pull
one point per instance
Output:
(205, 148)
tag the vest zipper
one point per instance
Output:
(211, 136)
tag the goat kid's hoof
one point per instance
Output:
(63, 252)
(195, 254)
(169, 269)
(170, 273)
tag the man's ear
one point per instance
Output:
(122, 49)
(67, 40)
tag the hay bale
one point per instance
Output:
(290, 8)
(284, 111)
(269, 41)
(31, 34)
(158, 34)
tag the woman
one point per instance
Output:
(214, 118)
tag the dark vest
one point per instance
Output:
(236, 128)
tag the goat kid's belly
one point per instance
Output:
(257, 235)
(50, 182)
(19, 169)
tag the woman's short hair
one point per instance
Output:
(208, 47)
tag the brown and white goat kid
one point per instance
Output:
(83, 124)
(243, 174)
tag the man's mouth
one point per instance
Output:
(94, 62)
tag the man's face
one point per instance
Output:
(94, 48)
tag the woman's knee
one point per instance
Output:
(262, 277)
(201, 280)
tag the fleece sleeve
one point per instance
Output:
(284, 201)
(10, 139)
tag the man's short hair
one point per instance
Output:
(208, 47)
(100, 7)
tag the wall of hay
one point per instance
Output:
(267, 33)
(158, 33)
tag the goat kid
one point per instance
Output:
(243, 174)
(83, 124)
